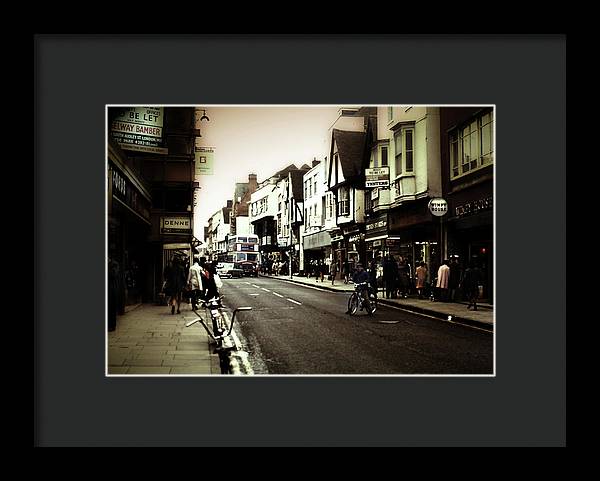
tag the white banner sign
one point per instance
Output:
(378, 177)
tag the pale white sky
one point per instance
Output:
(259, 140)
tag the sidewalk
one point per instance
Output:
(150, 340)
(483, 317)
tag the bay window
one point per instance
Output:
(472, 145)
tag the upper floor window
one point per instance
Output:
(384, 156)
(472, 145)
(344, 201)
(390, 113)
(404, 150)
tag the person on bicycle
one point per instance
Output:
(362, 276)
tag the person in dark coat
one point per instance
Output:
(471, 281)
(175, 282)
(390, 272)
(454, 279)
(403, 278)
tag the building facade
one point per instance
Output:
(467, 153)
(151, 192)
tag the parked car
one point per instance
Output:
(229, 269)
(250, 268)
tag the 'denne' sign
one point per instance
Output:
(175, 225)
(438, 206)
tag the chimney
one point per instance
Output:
(315, 162)
(252, 183)
(229, 204)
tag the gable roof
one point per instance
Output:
(351, 150)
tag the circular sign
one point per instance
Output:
(438, 206)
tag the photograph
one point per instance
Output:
(300, 240)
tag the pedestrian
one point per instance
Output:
(390, 272)
(421, 273)
(175, 282)
(454, 279)
(373, 276)
(211, 281)
(443, 276)
(194, 281)
(346, 270)
(472, 279)
(403, 278)
(333, 271)
(322, 269)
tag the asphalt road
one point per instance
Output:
(293, 329)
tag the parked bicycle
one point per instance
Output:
(219, 330)
(359, 301)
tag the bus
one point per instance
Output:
(242, 248)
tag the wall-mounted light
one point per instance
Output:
(204, 117)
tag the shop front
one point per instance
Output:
(471, 233)
(128, 229)
(414, 236)
(317, 251)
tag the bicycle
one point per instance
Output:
(220, 330)
(357, 300)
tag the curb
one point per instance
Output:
(416, 309)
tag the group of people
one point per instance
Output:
(396, 277)
(201, 281)
(450, 279)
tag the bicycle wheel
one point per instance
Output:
(353, 304)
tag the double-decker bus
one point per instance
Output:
(241, 248)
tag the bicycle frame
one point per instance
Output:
(214, 308)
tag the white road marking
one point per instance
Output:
(254, 285)
(278, 295)
(256, 294)
(265, 289)
(292, 300)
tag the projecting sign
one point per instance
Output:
(139, 129)
(378, 177)
(438, 206)
(204, 157)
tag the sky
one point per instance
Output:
(259, 140)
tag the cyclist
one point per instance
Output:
(361, 276)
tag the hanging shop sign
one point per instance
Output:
(378, 177)
(175, 225)
(204, 160)
(438, 206)
(140, 129)
(355, 237)
(473, 207)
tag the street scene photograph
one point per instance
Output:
(300, 240)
